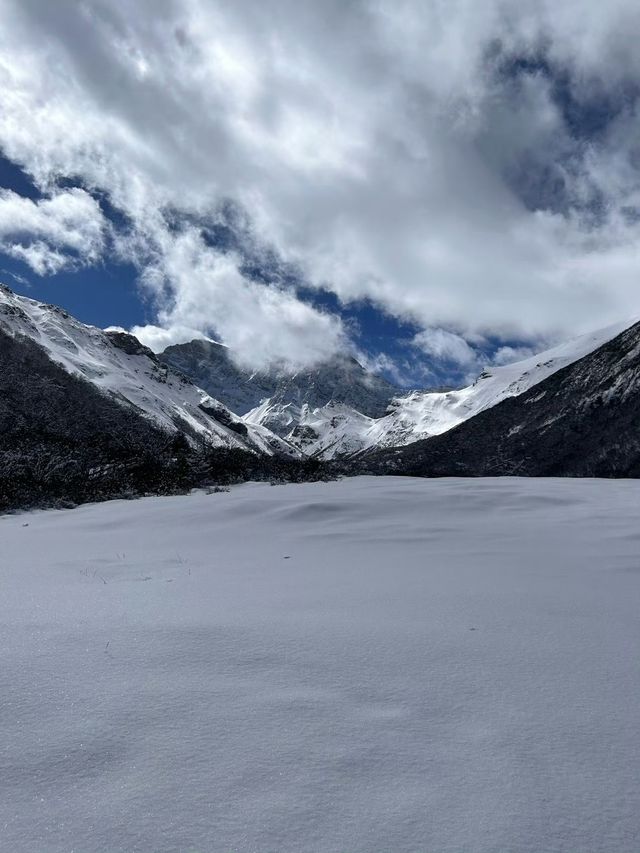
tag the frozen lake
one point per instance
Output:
(369, 666)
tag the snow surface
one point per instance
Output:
(369, 665)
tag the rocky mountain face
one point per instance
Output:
(340, 380)
(332, 431)
(324, 413)
(209, 366)
(583, 420)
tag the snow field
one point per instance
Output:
(372, 665)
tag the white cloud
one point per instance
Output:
(401, 373)
(379, 146)
(261, 325)
(508, 355)
(158, 338)
(42, 259)
(53, 233)
(445, 346)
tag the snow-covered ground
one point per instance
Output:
(371, 665)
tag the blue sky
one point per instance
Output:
(431, 192)
(103, 295)
(108, 294)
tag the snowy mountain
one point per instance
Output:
(208, 364)
(341, 380)
(326, 432)
(132, 376)
(337, 430)
(580, 421)
(310, 415)
(423, 414)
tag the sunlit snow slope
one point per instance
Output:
(420, 414)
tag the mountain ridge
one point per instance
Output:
(333, 431)
(339, 410)
(581, 421)
(87, 414)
